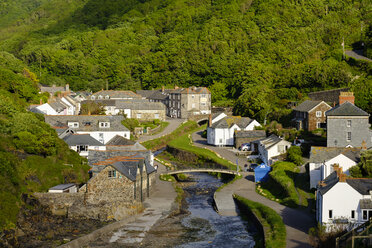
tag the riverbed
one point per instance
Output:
(195, 224)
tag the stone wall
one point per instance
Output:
(313, 119)
(149, 115)
(329, 96)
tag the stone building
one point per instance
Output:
(181, 102)
(328, 96)
(348, 126)
(310, 115)
(126, 179)
(242, 137)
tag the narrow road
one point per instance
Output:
(357, 54)
(173, 124)
(297, 222)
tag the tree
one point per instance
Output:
(92, 108)
(294, 154)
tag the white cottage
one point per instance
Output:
(221, 131)
(322, 160)
(82, 143)
(270, 147)
(343, 203)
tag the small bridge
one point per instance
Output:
(200, 119)
(202, 170)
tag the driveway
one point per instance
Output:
(297, 221)
(173, 124)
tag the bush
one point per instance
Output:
(355, 171)
(294, 154)
(131, 123)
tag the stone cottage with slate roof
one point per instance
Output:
(348, 126)
(52, 90)
(141, 109)
(343, 202)
(323, 159)
(242, 137)
(181, 102)
(114, 95)
(101, 127)
(221, 132)
(82, 143)
(127, 179)
(310, 115)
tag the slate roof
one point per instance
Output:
(251, 134)
(307, 105)
(154, 94)
(271, 141)
(58, 106)
(129, 168)
(118, 94)
(52, 89)
(118, 140)
(143, 104)
(95, 157)
(81, 139)
(362, 185)
(62, 186)
(84, 120)
(320, 154)
(346, 109)
(329, 182)
(229, 121)
(365, 204)
(105, 102)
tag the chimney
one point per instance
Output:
(162, 89)
(67, 87)
(346, 97)
(364, 145)
(41, 101)
(176, 87)
(88, 112)
(342, 178)
(210, 120)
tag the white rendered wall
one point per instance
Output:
(315, 174)
(71, 108)
(47, 109)
(107, 135)
(251, 125)
(343, 162)
(219, 117)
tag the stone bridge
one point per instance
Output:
(202, 170)
(199, 118)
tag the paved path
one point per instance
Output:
(158, 206)
(357, 54)
(173, 124)
(297, 222)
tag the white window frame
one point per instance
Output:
(348, 123)
(318, 113)
(193, 105)
(156, 116)
(330, 214)
(317, 124)
(192, 96)
(104, 124)
(100, 97)
(348, 136)
(139, 116)
(203, 104)
(111, 174)
(92, 97)
(107, 97)
(203, 96)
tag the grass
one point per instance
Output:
(163, 125)
(286, 186)
(272, 223)
(161, 142)
(184, 142)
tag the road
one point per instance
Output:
(297, 222)
(173, 124)
(357, 54)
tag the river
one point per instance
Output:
(195, 224)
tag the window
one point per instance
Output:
(330, 214)
(193, 105)
(104, 124)
(139, 116)
(179, 105)
(100, 97)
(100, 135)
(112, 173)
(318, 113)
(192, 96)
(179, 97)
(318, 124)
(107, 97)
(365, 215)
(87, 123)
(92, 97)
(203, 95)
(348, 138)
(353, 214)
(82, 148)
(348, 124)
(202, 104)
(156, 116)
(220, 141)
(73, 124)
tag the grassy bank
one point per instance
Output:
(274, 229)
(286, 185)
(161, 142)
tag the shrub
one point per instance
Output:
(355, 171)
(130, 123)
(294, 154)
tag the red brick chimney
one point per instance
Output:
(346, 96)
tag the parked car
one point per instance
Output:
(245, 147)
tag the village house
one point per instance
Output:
(64, 105)
(126, 179)
(114, 95)
(142, 109)
(222, 131)
(323, 159)
(343, 203)
(244, 137)
(54, 90)
(101, 127)
(64, 188)
(82, 143)
(348, 125)
(181, 102)
(310, 115)
(329, 96)
(270, 148)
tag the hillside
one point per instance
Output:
(256, 55)
(32, 157)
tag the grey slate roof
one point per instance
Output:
(329, 182)
(346, 109)
(128, 168)
(270, 141)
(81, 139)
(362, 185)
(84, 120)
(58, 106)
(95, 156)
(52, 89)
(365, 204)
(62, 186)
(143, 104)
(118, 140)
(118, 94)
(251, 134)
(320, 154)
(307, 105)
(104, 102)
(229, 121)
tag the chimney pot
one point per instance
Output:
(346, 97)
(210, 121)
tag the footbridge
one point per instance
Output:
(173, 172)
